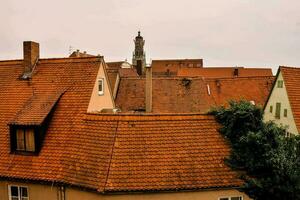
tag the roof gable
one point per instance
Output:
(291, 77)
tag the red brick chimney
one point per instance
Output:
(31, 53)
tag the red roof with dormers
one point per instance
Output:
(106, 153)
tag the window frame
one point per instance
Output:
(100, 92)
(37, 137)
(24, 132)
(19, 192)
(229, 197)
(277, 110)
(271, 109)
(285, 112)
(280, 84)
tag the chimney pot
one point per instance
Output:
(31, 54)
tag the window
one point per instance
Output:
(280, 83)
(285, 113)
(18, 193)
(271, 109)
(25, 140)
(278, 108)
(231, 198)
(100, 86)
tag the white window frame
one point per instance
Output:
(229, 197)
(100, 92)
(19, 192)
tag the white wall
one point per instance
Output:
(279, 95)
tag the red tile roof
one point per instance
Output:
(224, 72)
(172, 66)
(190, 95)
(36, 108)
(166, 152)
(108, 153)
(57, 159)
(291, 77)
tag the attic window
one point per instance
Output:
(231, 198)
(100, 86)
(24, 140)
(280, 83)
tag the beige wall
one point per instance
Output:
(35, 192)
(279, 95)
(105, 101)
(45, 192)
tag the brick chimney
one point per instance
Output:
(148, 89)
(31, 53)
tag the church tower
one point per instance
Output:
(139, 56)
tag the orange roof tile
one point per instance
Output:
(190, 95)
(167, 152)
(108, 153)
(37, 108)
(291, 77)
(224, 72)
(172, 66)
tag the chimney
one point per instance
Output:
(31, 53)
(236, 72)
(148, 89)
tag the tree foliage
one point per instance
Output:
(269, 161)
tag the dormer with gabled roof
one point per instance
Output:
(283, 104)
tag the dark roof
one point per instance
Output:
(190, 95)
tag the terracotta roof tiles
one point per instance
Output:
(108, 153)
(291, 77)
(191, 95)
(224, 72)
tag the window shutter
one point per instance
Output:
(278, 108)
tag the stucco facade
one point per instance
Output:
(279, 95)
(98, 101)
(47, 192)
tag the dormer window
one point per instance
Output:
(29, 126)
(100, 86)
(25, 140)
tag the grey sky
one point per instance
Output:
(250, 33)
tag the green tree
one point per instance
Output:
(268, 161)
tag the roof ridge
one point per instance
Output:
(146, 117)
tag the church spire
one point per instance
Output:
(139, 56)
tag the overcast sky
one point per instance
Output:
(252, 33)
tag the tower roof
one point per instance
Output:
(139, 35)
